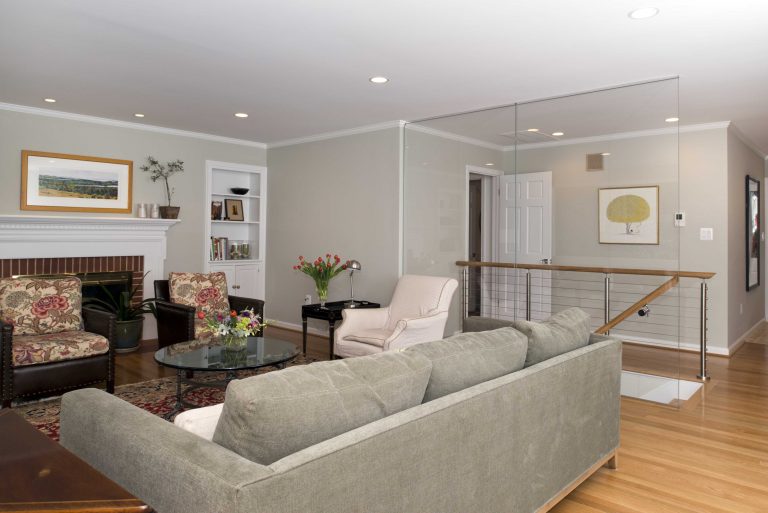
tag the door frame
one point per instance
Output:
(489, 205)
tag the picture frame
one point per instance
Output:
(234, 209)
(753, 232)
(216, 210)
(628, 215)
(60, 182)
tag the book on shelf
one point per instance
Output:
(218, 248)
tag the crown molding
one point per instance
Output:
(454, 137)
(622, 135)
(37, 111)
(338, 133)
(747, 141)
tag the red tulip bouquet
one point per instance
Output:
(322, 270)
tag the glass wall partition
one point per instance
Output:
(561, 202)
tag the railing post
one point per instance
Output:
(464, 295)
(607, 300)
(527, 294)
(702, 375)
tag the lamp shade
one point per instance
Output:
(354, 265)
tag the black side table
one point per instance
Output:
(331, 312)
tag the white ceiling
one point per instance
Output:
(301, 67)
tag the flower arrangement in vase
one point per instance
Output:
(322, 270)
(233, 329)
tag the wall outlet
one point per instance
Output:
(308, 299)
(706, 234)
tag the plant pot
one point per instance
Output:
(169, 212)
(128, 335)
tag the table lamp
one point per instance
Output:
(353, 266)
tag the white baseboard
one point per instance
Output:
(297, 327)
(669, 344)
(736, 345)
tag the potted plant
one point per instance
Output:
(158, 171)
(130, 317)
(322, 270)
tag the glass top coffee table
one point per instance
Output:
(208, 355)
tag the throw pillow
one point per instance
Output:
(206, 292)
(563, 332)
(270, 416)
(38, 306)
(467, 359)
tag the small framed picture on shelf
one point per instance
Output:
(234, 209)
(216, 210)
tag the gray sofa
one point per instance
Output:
(515, 444)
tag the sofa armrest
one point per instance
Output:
(357, 319)
(172, 470)
(175, 323)
(414, 330)
(100, 322)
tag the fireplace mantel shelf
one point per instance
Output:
(84, 223)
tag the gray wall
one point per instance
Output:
(340, 196)
(434, 197)
(20, 131)
(745, 309)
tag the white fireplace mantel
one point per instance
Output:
(32, 236)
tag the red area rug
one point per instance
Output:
(156, 396)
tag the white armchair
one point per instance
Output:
(418, 313)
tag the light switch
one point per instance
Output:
(679, 219)
(706, 234)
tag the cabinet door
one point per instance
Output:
(260, 281)
(229, 272)
(247, 279)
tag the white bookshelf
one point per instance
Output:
(245, 277)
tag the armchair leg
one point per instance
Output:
(111, 386)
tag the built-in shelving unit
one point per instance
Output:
(245, 276)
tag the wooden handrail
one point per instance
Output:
(581, 269)
(661, 289)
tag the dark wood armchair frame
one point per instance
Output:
(176, 323)
(41, 379)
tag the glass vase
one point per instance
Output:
(231, 341)
(321, 288)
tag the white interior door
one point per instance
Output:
(525, 236)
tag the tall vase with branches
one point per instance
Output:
(163, 172)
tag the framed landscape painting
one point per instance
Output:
(628, 215)
(74, 183)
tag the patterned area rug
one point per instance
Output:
(156, 396)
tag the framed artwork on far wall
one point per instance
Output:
(754, 232)
(628, 215)
(74, 183)
(234, 208)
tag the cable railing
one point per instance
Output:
(659, 307)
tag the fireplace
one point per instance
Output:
(101, 285)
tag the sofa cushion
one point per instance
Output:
(467, 359)
(206, 292)
(200, 421)
(36, 306)
(270, 416)
(563, 332)
(54, 347)
(472, 324)
(374, 336)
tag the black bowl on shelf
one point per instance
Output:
(239, 190)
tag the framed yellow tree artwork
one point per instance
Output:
(628, 215)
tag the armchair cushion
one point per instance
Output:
(38, 306)
(53, 347)
(207, 293)
(373, 336)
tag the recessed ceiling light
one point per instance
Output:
(241, 115)
(643, 13)
(49, 100)
(533, 129)
(672, 120)
(490, 164)
(138, 115)
(378, 80)
(557, 134)
(605, 154)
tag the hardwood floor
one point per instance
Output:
(709, 455)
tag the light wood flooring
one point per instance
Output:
(708, 455)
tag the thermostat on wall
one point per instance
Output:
(679, 219)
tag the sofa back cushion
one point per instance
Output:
(206, 292)
(565, 331)
(467, 359)
(270, 416)
(474, 323)
(39, 306)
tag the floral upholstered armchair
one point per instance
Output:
(183, 295)
(49, 343)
